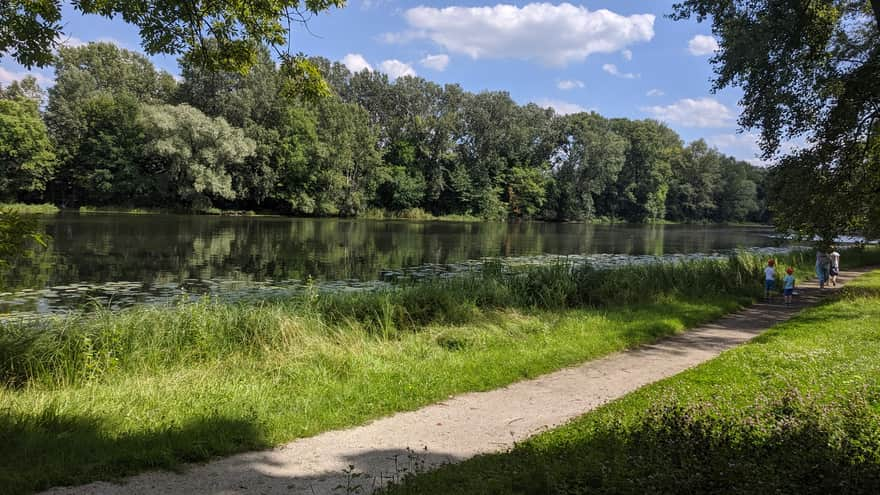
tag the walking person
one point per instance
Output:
(823, 267)
(835, 266)
(769, 278)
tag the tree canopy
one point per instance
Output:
(218, 34)
(124, 133)
(810, 72)
(27, 160)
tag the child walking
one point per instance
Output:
(769, 278)
(788, 285)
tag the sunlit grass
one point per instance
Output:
(795, 411)
(415, 214)
(30, 209)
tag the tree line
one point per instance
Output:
(114, 130)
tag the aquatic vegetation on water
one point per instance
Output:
(32, 303)
(90, 344)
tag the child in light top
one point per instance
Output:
(835, 266)
(788, 285)
(769, 278)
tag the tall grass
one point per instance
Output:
(29, 209)
(168, 210)
(415, 214)
(78, 349)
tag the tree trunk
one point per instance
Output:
(876, 5)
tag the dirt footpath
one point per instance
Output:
(464, 425)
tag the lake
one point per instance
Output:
(116, 260)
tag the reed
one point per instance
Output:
(30, 209)
(76, 349)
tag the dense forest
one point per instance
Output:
(114, 130)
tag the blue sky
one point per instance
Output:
(621, 58)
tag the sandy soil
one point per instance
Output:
(462, 426)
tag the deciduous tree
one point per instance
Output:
(27, 162)
(195, 154)
(810, 73)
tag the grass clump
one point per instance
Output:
(415, 214)
(123, 209)
(30, 209)
(795, 411)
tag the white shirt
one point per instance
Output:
(835, 259)
(769, 273)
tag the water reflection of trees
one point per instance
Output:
(171, 249)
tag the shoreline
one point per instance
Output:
(403, 216)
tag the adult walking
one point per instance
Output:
(835, 266)
(823, 267)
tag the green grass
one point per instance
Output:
(415, 214)
(795, 411)
(124, 209)
(22, 208)
(154, 211)
(158, 408)
(109, 394)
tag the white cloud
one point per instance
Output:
(69, 41)
(561, 107)
(356, 62)
(747, 146)
(569, 84)
(743, 146)
(402, 38)
(746, 140)
(114, 41)
(702, 112)
(369, 4)
(551, 34)
(436, 62)
(655, 92)
(627, 54)
(614, 71)
(702, 45)
(8, 76)
(395, 68)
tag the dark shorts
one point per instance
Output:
(769, 284)
(788, 292)
(834, 271)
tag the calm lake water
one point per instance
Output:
(119, 260)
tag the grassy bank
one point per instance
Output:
(109, 394)
(28, 209)
(156, 211)
(795, 411)
(415, 214)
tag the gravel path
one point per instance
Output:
(464, 425)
